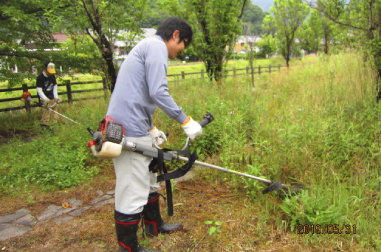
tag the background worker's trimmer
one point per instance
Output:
(108, 142)
(26, 96)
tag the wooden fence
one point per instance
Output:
(228, 72)
(69, 93)
(171, 77)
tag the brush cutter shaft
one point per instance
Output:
(169, 156)
(146, 150)
(49, 108)
(60, 114)
(226, 170)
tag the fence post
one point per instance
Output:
(269, 69)
(259, 70)
(104, 87)
(234, 72)
(278, 67)
(68, 89)
(202, 73)
(247, 70)
(27, 103)
(182, 75)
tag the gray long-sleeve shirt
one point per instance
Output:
(141, 86)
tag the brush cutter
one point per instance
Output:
(110, 127)
(26, 96)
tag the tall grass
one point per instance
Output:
(317, 124)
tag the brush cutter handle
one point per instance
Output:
(208, 118)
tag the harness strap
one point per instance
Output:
(157, 164)
(181, 171)
(163, 169)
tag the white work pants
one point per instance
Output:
(134, 181)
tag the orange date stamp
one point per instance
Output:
(327, 229)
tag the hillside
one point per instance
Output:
(264, 4)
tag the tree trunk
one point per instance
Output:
(288, 59)
(111, 78)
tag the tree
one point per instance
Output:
(266, 46)
(310, 33)
(252, 19)
(77, 48)
(22, 23)
(288, 17)
(363, 19)
(154, 14)
(216, 24)
(101, 20)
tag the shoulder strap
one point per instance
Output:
(158, 164)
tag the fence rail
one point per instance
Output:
(69, 93)
(171, 77)
(236, 72)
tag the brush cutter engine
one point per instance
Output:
(107, 141)
(25, 95)
(112, 131)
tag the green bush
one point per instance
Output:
(317, 209)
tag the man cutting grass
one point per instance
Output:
(140, 88)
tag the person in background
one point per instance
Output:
(48, 94)
(140, 88)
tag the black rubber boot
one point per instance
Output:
(153, 223)
(126, 227)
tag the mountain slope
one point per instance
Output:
(264, 4)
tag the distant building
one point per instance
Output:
(245, 43)
(123, 46)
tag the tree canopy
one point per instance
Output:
(252, 20)
(21, 24)
(288, 17)
(362, 19)
(216, 24)
(101, 20)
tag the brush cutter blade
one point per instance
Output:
(273, 187)
(291, 191)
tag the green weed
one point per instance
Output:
(215, 227)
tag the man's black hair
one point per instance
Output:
(46, 64)
(169, 25)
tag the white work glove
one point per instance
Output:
(157, 136)
(192, 128)
(58, 100)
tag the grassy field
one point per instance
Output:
(193, 67)
(313, 124)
